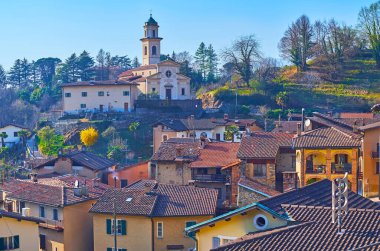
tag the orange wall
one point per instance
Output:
(131, 173)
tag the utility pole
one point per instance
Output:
(114, 215)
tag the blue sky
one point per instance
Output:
(57, 28)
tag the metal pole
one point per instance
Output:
(114, 215)
(236, 103)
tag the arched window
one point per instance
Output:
(145, 50)
(154, 50)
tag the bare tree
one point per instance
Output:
(243, 54)
(369, 23)
(296, 44)
(267, 69)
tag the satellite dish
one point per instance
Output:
(76, 184)
(307, 123)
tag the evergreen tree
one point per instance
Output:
(85, 66)
(3, 77)
(71, 68)
(100, 58)
(201, 59)
(135, 62)
(47, 69)
(211, 64)
(25, 72)
(15, 73)
(34, 73)
(174, 56)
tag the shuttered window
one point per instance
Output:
(160, 230)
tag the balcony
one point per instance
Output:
(210, 177)
(52, 224)
(316, 169)
(341, 168)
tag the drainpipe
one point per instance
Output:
(151, 220)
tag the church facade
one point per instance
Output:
(154, 79)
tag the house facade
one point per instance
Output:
(12, 136)
(161, 211)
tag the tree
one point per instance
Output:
(296, 44)
(47, 69)
(133, 127)
(231, 132)
(85, 66)
(49, 142)
(243, 53)
(3, 136)
(89, 136)
(100, 58)
(135, 62)
(15, 73)
(201, 59)
(3, 77)
(282, 99)
(116, 153)
(369, 23)
(211, 63)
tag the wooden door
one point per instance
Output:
(126, 107)
(169, 94)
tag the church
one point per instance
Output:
(154, 76)
(154, 79)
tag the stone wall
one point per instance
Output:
(247, 196)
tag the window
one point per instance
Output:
(183, 91)
(82, 106)
(125, 93)
(154, 33)
(165, 138)
(121, 227)
(189, 224)
(67, 95)
(377, 167)
(123, 183)
(160, 230)
(22, 205)
(260, 170)
(168, 73)
(15, 134)
(215, 242)
(341, 158)
(145, 50)
(100, 94)
(119, 249)
(154, 50)
(55, 214)
(42, 212)
(153, 89)
(84, 94)
(260, 221)
(42, 241)
(9, 243)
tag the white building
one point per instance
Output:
(11, 131)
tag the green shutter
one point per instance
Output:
(16, 241)
(123, 227)
(2, 243)
(109, 230)
(109, 249)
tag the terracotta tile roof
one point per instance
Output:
(86, 159)
(174, 124)
(316, 232)
(172, 151)
(19, 216)
(262, 145)
(325, 137)
(99, 83)
(13, 185)
(286, 126)
(140, 68)
(217, 154)
(316, 194)
(370, 126)
(159, 200)
(258, 187)
(356, 115)
(58, 191)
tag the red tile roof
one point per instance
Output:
(172, 151)
(258, 187)
(286, 126)
(326, 137)
(356, 115)
(159, 200)
(313, 230)
(217, 154)
(140, 68)
(263, 145)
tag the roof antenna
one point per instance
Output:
(339, 201)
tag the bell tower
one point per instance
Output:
(151, 43)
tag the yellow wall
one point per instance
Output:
(370, 178)
(54, 239)
(78, 233)
(158, 134)
(238, 226)
(174, 232)
(26, 230)
(139, 235)
(326, 157)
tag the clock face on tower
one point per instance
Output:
(168, 73)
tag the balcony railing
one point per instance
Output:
(52, 224)
(210, 177)
(341, 168)
(316, 169)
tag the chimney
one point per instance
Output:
(147, 188)
(213, 120)
(298, 129)
(226, 116)
(178, 152)
(330, 114)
